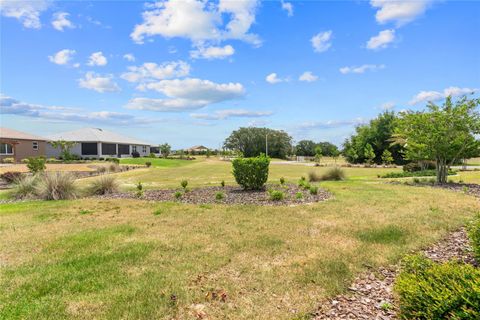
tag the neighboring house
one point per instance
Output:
(96, 143)
(197, 150)
(20, 145)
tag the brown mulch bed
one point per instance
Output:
(232, 195)
(469, 188)
(371, 294)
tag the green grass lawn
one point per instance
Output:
(133, 259)
(157, 162)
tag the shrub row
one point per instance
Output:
(406, 174)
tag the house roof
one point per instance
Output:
(8, 133)
(197, 148)
(95, 135)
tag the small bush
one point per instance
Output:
(56, 186)
(102, 169)
(114, 160)
(333, 174)
(103, 185)
(299, 195)
(11, 176)
(276, 195)
(282, 180)
(140, 191)
(114, 167)
(25, 161)
(428, 290)
(251, 173)
(152, 155)
(135, 154)
(419, 166)
(148, 164)
(313, 176)
(25, 188)
(36, 165)
(222, 183)
(474, 235)
(8, 160)
(313, 190)
(184, 184)
(219, 196)
(178, 195)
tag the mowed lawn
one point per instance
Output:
(133, 259)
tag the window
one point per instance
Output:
(6, 148)
(109, 149)
(35, 145)
(123, 149)
(144, 149)
(89, 149)
(134, 148)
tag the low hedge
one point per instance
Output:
(474, 235)
(428, 290)
(406, 174)
(251, 173)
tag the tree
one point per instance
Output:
(444, 134)
(305, 148)
(165, 149)
(368, 153)
(64, 147)
(252, 142)
(328, 149)
(318, 154)
(387, 157)
(335, 155)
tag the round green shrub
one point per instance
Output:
(251, 173)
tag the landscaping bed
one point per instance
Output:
(231, 195)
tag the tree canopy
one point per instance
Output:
(307, 148)
(251, 142)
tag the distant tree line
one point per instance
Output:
(308, 148)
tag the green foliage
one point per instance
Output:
(139, 192)
(298, 195)
(313, 190)
(25, 188)
(178, 195)
(148, 164)
(333, 174)
(222, 183)
(165, 149)
(428, 290)
(276, 195)
(424, 173)
(474, 235)
(152, 155)
(184, 184)
(9, 160)
(419, 166)
(282, 180)
(219, 196)
(114, 160)
(445, 134)
(308, 148)
(105, 184)
(368, 153)
(64, 147)
(251, 142)
(251, 173)
(318, 154)
(36, 164)
(387, 157)
(56, 186)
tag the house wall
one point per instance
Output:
(23, 149)
(77, 150)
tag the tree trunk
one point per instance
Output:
(441, 171)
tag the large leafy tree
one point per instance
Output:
(165, 149)
(251, 142)
(445, 134)
(305, 148)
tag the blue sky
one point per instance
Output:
(190, 72)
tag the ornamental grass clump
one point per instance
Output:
(25, 187)
(276, 195)
(103, 185)
(333, 174)
(251, 173)
(56, 186)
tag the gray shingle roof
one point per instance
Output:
(95, 135)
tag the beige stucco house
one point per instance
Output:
(20, 145)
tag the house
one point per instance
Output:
(98, 143)
(20, 145)
(196, 150)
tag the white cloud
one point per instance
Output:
(151, 71)
(12, 106)
(198, 21)
(97, 59)
(425, 96)
(287, 6)
(60, 21)
(273, 78)
(186, 94)
(321, 41)
(308, 76)
(27, 12)
(362, 68)
(231, 113)
(62, 57)
(399, 11)
(381, 40)
(129, 57)
(98, 83)
(330, 124)
(212, 52)
(388, 106)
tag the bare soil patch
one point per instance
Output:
(231, 195)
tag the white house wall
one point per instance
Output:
(52, 152)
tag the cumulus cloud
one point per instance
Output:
(62, 57)
(212, 52)
(98, 83)
(231, 113)
(151, 71)
(426, 96)
(400, 12)
(273, 78)
(382, 40)
(27, 12)
(198, 21)
(129, 57)
(97, 59)
(186, 94)
(288, 6)
(321, 42)
(60, 21)
(308, 76)
(13, 106)
(362, 68)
